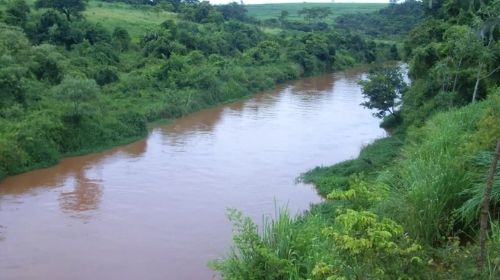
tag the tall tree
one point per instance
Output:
(485, 209)
(17, 13)
(77, 94)
(384, 89)
(317, 14)
(67, 7)
(282, 18)
(487, 28)
(233, 10)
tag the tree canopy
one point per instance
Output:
(383, 88)
(68, 7)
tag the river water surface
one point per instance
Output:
(155, 209)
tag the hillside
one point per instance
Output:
(268, 11)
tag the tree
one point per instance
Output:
(266, 51)
(394, 53)
(317, 14)
(78, 93)
(233, 11)
(67, 7)
(14, 65)
(485, 209)
(487, 30)
(17, 13)
(283, 15)
(384, 89)
(121, 38)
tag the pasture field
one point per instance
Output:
(138, 19)
(267, 11)
(135, 19)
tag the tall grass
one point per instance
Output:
(469, 211)
(285, 247)
(433, 173)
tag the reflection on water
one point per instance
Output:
(69, 169)
(155, 209)
(85, 195)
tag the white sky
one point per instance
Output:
(297, 1)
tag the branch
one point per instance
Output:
(491, 73)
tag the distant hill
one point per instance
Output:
(269, 11)
(393, 20)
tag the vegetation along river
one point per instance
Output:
(156, 209)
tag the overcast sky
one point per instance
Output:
(297, 1)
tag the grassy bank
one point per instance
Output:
(372, 158)
(409, 206)
(401, 209)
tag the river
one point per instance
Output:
(155, 209)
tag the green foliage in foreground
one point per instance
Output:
(402, 217)
(438, 169)
(408, 206)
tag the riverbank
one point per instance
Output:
(387, 212)
(144, 122)
(176, 185)
(90, 86)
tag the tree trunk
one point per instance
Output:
(478, 79)
(456, 75)
(485, 211)
(67, 13)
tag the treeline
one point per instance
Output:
(410, 206)
(70, 86)
(391, 22)
(395, 20)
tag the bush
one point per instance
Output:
(106, 76)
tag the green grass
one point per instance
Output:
(371, 159)
(437, 165)
(135, 19)
(138, 19)
(283, 247)
(267, 11)
(423, 181)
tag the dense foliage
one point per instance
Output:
(70, 85)
(394, 20)
(408, 207)
(383, 90)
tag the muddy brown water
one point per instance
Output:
(155, 209)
